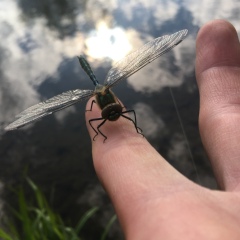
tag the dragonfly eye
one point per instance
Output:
(112, 111)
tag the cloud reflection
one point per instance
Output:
(159, 11)
(31, 54)
(218, 9)
(31, 51)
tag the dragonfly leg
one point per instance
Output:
(90, 123)
(89, 110)
(98, 128)
(138, 129)
(98, 119)
(123, 107)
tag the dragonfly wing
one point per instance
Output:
(49, 106)
(139, 58)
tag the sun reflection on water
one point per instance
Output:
(105, 42)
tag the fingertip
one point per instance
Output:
(216, 25)
(112, 142)
(215, 28)
(217, 45)
(111, 132)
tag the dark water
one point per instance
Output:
(40, 41)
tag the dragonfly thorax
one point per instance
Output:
(105, 98)
(112, 111)
(107, 101)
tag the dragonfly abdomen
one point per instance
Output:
(86, 67)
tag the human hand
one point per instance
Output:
(151, 198)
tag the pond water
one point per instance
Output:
(39, 44)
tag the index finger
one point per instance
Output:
(130, 169)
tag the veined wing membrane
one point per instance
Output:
(49, 106)
(136, 60)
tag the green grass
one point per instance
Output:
(40, 222)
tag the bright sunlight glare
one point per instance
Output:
(107, 42)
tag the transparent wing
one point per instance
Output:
(136, 60)
(49, 106)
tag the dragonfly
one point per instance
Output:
(111, 109)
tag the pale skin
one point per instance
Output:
(151, 198)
